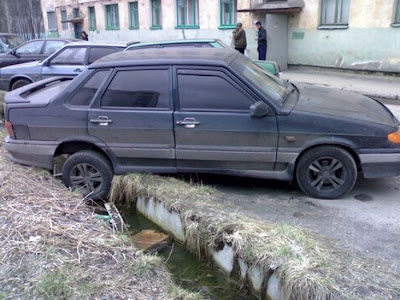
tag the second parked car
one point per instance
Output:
(37, 49)
(70, 60)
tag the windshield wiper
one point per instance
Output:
(291, 90)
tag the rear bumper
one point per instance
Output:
(31, 154)
(380, 165)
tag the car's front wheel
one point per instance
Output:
(89, 172)
(20, 83)
(326, 172)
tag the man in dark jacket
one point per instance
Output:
(239, 38)
(262, 41)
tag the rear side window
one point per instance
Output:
(210, 92)
(138, 89)
(70, 56)
(84, 95)
(97, 53)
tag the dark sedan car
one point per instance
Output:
(38, 49)
(188, 110)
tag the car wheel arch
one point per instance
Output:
(73, 146)
(16, 78)
(345, 147)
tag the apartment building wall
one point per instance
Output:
(209, 23)
(370, 42)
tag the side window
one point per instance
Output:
(187, 45)
(52, 46)
(84, 95)
(30, 48)
(70, 56)
(138, 89)
(210, 92)
(97, 53)
(143, 47)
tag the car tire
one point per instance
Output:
(327, 172)
(20, 83)
(89, 172)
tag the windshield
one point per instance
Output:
(268, 85)
(8, 42)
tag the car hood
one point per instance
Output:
(26, 65)
(339, 103)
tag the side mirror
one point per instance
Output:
(259, 109)
(13, 52)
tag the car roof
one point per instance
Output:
(102, 44)
(53, 39)
(167, 42)
(206, 56)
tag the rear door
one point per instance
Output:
(68, 62)
(134, 118)
(213, 127)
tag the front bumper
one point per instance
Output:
(380, 165)
(4, 84)
(31, 154)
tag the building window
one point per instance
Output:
(156, 21)
(92, 18)
(227, 10)
(52, 21)
(396, 20)
(133, 15)
(112, 17)
(187, 13)
(64, 19)
(335, 13)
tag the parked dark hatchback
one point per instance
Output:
(199, 111)
(37, 49)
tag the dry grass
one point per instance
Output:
(306, 266)
(51, 247)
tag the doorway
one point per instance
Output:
(277, 32)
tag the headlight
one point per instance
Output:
(394, 137)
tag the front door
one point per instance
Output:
(213, 127)
(134, 118)
(69, 62)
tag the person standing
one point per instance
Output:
(239, 38)
(84, 36)
(261, 41)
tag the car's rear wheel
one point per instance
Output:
(89, 172)
(20, 83)
(326, 172)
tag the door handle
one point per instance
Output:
(78, 70)
(101, 120)
(188, 122)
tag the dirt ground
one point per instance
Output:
(52, 246)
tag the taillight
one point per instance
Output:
(10, 130)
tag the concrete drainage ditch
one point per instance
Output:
(243, 273)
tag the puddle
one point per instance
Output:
(188, 272)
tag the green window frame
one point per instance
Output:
(112, 17)
(396, 15)
(187, 14)
(227, 14)
(133, 15)
(64, 18)
(92, 18)
(334, 14)
(156, 14)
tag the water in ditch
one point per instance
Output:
(188, 272)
